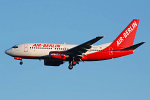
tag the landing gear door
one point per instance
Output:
(25, 47)
(110, 51)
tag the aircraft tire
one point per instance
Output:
(21, 63)
(70, 67)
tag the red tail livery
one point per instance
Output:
(126, 38)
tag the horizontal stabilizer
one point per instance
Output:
(134, 46)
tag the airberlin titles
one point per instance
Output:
(127, 32)
(47, 45)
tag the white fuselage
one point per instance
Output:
(38, 50)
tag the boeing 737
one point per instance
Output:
(57, 54)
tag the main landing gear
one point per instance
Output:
(71, 64)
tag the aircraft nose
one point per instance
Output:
(7, 52)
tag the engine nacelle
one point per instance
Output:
(58, 55)
(48, 62)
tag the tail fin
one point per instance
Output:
(126, 38)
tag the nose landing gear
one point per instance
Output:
(19, 58)
(21, 62)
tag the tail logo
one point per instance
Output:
(127, 32)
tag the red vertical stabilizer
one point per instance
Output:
(126, 38)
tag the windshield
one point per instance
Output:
(15, 46)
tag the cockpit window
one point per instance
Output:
(15, 46)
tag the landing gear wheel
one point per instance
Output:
(70, 67)
(21, 63)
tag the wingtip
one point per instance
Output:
(99, 36)
(143, 42)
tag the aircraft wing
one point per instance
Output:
(78, 50)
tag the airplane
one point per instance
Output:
(57, 54)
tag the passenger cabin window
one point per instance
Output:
(15, 46)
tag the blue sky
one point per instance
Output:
(73, 22)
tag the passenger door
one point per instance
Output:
(25, 47)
